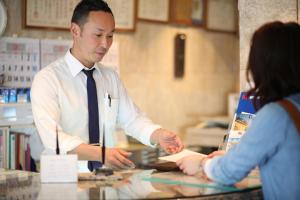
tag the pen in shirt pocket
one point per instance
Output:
(108, 98)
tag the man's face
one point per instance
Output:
(92, 41)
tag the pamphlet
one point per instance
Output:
(243, 117)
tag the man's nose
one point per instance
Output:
(104, 42)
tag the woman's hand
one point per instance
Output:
(216, 153)
(191, 165)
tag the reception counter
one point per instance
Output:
(129, 184)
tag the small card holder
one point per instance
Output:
(59, 168)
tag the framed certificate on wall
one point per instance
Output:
(49, 13)
(298, 15)
(125, 14)
(154, 10)
(222, 15)
(188, 12)
(57, 14)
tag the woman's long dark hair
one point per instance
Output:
(274, 62)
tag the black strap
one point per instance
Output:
(293, 112)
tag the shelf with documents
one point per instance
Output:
(15, 104)
(15, 114)
(15, 121)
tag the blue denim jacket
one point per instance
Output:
(272, 143)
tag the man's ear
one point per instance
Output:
(75, 30)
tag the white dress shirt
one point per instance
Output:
(59, 99)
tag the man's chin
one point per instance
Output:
(98, 58)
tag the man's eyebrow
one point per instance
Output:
(100, 29)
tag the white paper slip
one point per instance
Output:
(59, 168)
(178, 156)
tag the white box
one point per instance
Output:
(59, 168)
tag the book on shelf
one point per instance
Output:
(4, 147)
(14, 150)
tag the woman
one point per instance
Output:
(272, 142)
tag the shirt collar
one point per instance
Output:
(75, 66)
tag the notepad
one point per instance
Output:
(178, 156)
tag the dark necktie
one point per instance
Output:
(93, 114)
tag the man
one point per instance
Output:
(63, 96)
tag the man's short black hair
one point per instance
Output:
(83, 8)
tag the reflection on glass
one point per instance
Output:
(136, 184)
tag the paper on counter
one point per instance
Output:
(178, 156)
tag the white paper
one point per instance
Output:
(178, 156)
(59, 168)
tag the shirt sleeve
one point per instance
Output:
(134, 122)
(46, 113)
(258, 144)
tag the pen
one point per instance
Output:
(57, 143)
(103, 146)
(109, 100)
(107, 95)
(103, 194)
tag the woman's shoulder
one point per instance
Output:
(275, 111)
(295, 99)
(271, 115)
(271, 109)
(275, 107)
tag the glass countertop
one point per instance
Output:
(129, 184)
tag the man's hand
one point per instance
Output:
(168, 141)
(117, 159)
(114, 158)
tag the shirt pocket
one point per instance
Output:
(111, 114)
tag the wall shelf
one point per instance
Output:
(16, 114)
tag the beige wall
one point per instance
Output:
(253, 14)
(146, 68)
